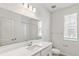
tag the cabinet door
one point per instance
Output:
(6, 30)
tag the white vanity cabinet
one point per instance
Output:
(45, 52)
(20, 49)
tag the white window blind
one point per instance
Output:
(70, 27)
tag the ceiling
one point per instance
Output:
(58, 6)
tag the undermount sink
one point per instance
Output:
(34, 47)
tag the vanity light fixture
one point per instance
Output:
(29, 7)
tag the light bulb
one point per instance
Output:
(30, 7)
(34, 10)
(26, 5)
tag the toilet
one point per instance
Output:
(55, 52)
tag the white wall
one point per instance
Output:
(44, 16)
(68, 47)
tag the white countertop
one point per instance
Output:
(23, 51)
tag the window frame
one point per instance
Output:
(73, 25)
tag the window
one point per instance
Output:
(70, 27)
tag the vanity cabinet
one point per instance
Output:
(45, 52)
(20, 49)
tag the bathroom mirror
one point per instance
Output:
(16, 28)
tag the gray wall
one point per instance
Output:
(66, 46)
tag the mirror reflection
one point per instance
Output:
(16, 27)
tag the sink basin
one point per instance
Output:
(34, 47)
